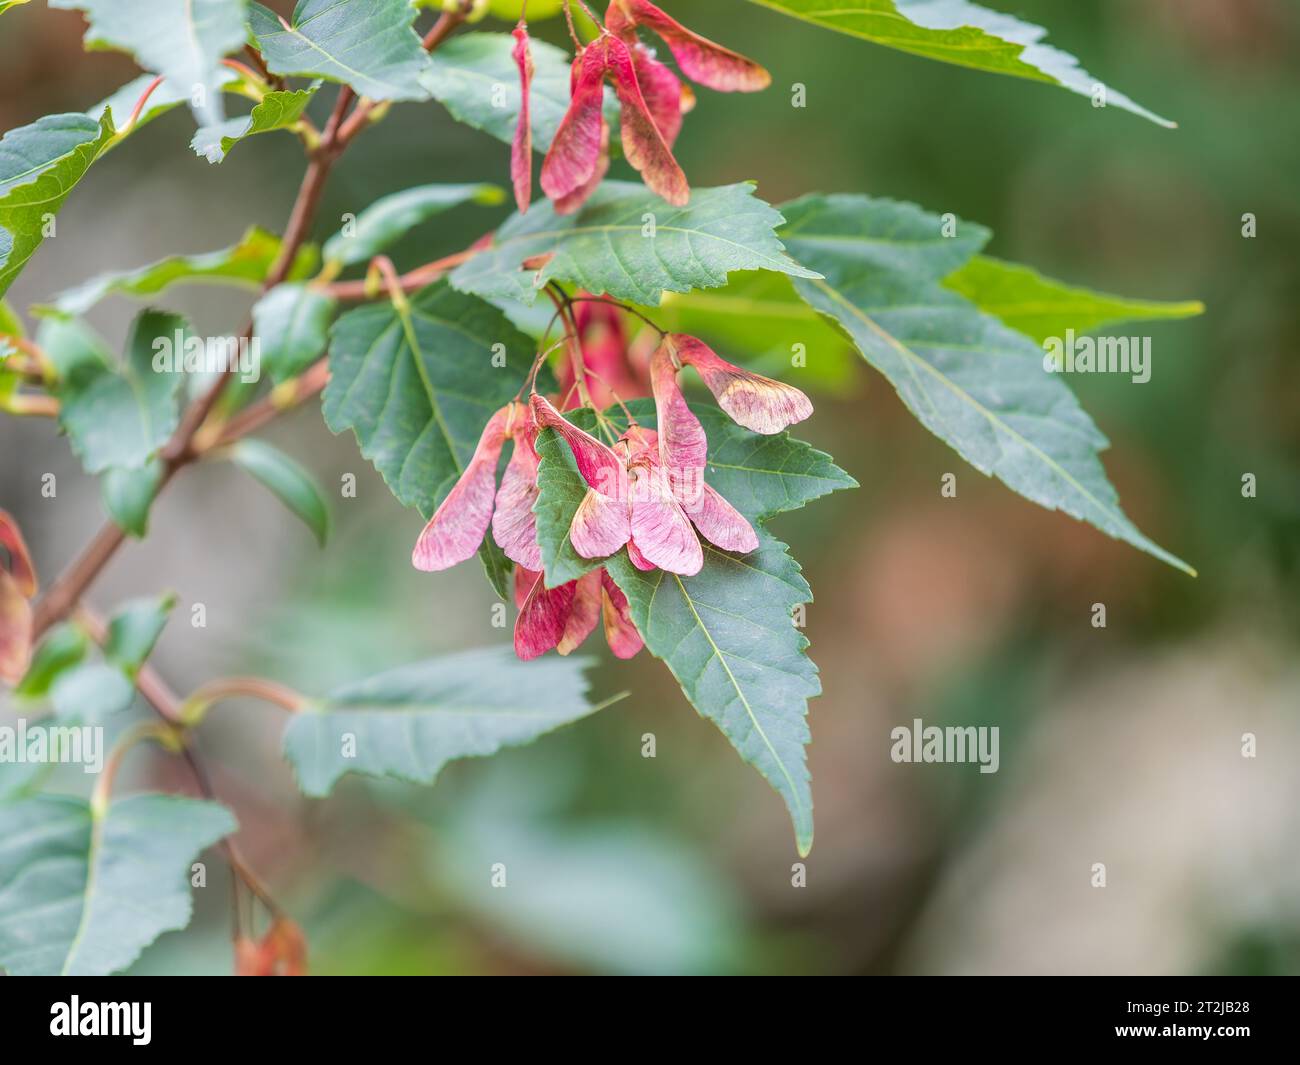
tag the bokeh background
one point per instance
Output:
(1120, 745)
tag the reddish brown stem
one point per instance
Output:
(269, 691)
(154, 689)
(304, 209)
(408, 282)
(255, 57)
(307, 384)
(102, 793)
(32, 405)
(167, 704)
(242, 69)
(139, 104)
(621, 306)
(565, 310)
(65, 592)
(237, 864)
(26, 359)
(442, 29)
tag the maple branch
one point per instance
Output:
(26, 358)
(564, 308)
(442, 29)
(28, 405)
(255, 57)
(64, 593)
(214, 691)
(167, 704)
(610, 301)
(148, 730)
(408, 282)
(447, 22)
(282, 398)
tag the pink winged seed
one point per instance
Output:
(543, 614)
(574, 156)
(584, 613)
(700, 59)
(643, 143)
(521, 149)
(752, 400)
(514, 525)
(458, 526)
(620, 632)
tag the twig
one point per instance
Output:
(622, 307)
(64, 593)
(69, 587)
(167, 704)
(282, 398)
(139, 104)
(26, 405)
(408, 282)
(442, 29)
(561, 300)
(215, 691)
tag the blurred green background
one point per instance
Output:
(1119, 745)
